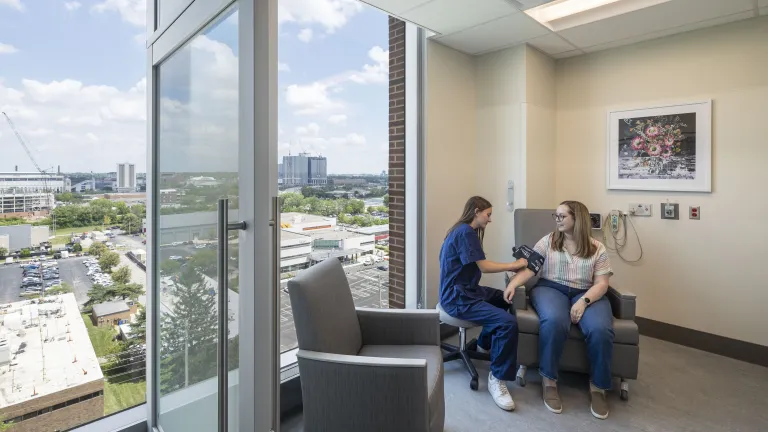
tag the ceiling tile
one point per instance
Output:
(450, 16)
(567, 54)
(762, 3)
(395, 7)
(668, 32)
(657, 18)
(507, 31)
(551, 44)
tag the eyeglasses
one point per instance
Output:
(558, 217)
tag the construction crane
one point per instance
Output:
(34, 162)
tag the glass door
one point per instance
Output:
(211, 237)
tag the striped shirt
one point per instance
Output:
(570, 270)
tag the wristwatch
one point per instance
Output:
(586, 300)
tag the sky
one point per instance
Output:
(72, 79)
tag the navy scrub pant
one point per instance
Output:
(499, 335)
(553, 303)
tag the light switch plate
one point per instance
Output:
(670, 211)
(639, 209)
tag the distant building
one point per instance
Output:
(113, 313)
(169, 197)
(126, 177)
(51, 376)
(24, 236)
(27, 182)
(349, 182)
(202, 181)
(85, 185)
(303, 169)
(26, 202)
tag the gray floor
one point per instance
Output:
(679, 389)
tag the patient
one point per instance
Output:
(571, 289)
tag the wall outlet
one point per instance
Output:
(639, 209)
(694, 212)
(670, 211)
(597, 222)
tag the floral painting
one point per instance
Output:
(658, 147)
(661, 148)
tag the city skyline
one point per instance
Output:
(75, 112)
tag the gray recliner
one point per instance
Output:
(362, 369)
(530, 226)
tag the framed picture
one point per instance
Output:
(661, 148)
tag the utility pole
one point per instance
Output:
(186, 354)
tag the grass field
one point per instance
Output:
(63, 235)
(102, 338)
(118, 397)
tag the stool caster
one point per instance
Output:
(473, 384)
(624, 390)
(521, 376)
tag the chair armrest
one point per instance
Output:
(623, 303)
(356, 393)
(399, 326)
(520, 300)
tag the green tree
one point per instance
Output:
(386, 200)
(108, 260)
(64, 197)
(139, 328)
(77, 247)
(64, 288)
(169, 267)
(139, 210)
(97, 249)
(122, 275)
(102, 294)
(5, 427)
(190, 330)
(122, 208)
(206, 261)
(98, 294)
(3, 252)
(131, 223)
(25, 253)
(128, 291)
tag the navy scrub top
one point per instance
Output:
(459, 273)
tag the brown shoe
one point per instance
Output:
(599, 406)
(552, 399)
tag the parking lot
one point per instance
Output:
(370, 288)
(71, 271)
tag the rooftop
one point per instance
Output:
(289, 235)
(45, 340)
(331, 234)
(293, 217)
(372, 229)
(110, 308)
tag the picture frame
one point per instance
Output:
(661, 148)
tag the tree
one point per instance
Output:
(102, 294)
(97, 249)
(139, 328)
(169, 267)
(122, 275)
(25, 253)
(188, 336)
(131, 223)
(98, 294)
(386, 200)
(64, 288)
(77, 247)
(205, 261)
(5, 427)
(3, 252)
(108, 260)
(139, 210)
(127, 291)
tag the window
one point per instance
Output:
(333, 148)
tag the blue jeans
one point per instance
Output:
(499, 334)
(553, 302)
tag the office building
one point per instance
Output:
(28, 182)
(26, 202)
(303, 169)
(51, 376)
(126, 177)
(24, 236)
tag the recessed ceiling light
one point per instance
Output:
(562, 14)
(563, 8)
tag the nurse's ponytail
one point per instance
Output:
(476, 203)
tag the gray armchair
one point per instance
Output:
(530, 226)
(361, 369)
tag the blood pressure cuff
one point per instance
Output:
(535, 260)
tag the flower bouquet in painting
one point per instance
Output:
(658, 147)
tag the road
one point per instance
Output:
(71, 271)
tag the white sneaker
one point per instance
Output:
(482, 350)
(501, 396)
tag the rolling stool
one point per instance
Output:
(465, 351)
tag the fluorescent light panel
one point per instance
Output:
(563, 8)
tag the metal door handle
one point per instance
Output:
(224, 226)
(274, 222)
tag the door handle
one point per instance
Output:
(274, 222)
(224, 226)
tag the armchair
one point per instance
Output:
(364, 369)
(530, 226)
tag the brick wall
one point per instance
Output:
(396, 163)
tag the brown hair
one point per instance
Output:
(468, 215)
(582, 226)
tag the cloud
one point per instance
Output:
(330, 14)
(283, 67)
(305, 35)
(132, 11)
(7, 49)
(311, 99)
(311, 129)
(73, 5)
(376, 73)
(338, 119)
(13, 4)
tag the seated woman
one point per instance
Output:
(462, 261)
(571, 289)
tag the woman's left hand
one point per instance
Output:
(577, 311)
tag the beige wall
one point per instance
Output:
(705, 275)
(540, 136)
(450, 149)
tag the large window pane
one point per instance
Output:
(333, 150)
(198, 165)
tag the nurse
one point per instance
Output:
(462, 262)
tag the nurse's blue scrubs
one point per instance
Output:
(462, 297)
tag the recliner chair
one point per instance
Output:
(373, 370)
(530, 226)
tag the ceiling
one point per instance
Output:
(481, 26)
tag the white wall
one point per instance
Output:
(450, 149)
(705, 275)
